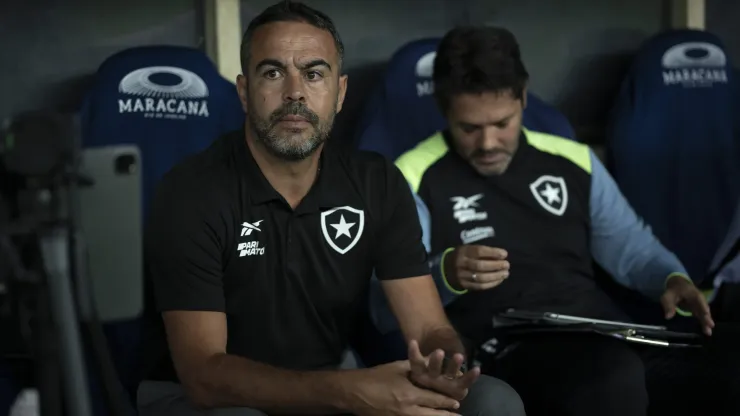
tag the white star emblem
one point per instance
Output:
(552, 194)
(357, 216)
(342, 227)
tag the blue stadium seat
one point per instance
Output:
(674, 143)
(171, 102)
(402, 111)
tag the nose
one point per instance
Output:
(489, 140)
(294, 88)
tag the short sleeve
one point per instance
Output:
(400, 252)
(183, 250)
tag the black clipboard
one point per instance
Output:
(516, 324)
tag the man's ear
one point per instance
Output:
(524, 98)
(342, 92)
(242, 89)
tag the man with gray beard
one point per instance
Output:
(261, 249)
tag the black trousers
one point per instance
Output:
(587, 375)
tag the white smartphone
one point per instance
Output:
(111, 225)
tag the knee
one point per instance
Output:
(623, 371)
(490, 396)
(617, 380)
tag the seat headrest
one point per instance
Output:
(155, 84)
(675, 61)
(170, 101)
(408, 76)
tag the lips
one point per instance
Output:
(492, 158)
(294, 119)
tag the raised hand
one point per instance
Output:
(476, 267)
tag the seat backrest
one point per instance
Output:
(170, 101)
(402, 111)
(673, 143)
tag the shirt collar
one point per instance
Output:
(259, 189)
(331, 186)
(326, 192)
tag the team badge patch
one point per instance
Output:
(551, 193)
(342, 227)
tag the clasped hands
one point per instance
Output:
(420, 386)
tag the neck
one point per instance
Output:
(291, 179)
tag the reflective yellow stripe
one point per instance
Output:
(414, 163)
(577, 153)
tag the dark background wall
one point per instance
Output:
(50, 48)
(576, 50)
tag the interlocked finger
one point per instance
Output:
(482, 265)
(483, 278)
(436, 363)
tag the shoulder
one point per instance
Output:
(371, 175)
(362, 166)
(414, 163)
(359, 161)
(198, 177)
(578, 154)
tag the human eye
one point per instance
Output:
(314, 75)
(272, 73)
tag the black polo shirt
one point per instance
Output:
(291, 282)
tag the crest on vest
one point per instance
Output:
(551, 193)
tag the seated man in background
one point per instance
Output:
(261, 250)
(515, 219)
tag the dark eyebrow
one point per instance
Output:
(279, 65)
(507, 118)
(499, 121)
(314, 63)
(270, 62)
